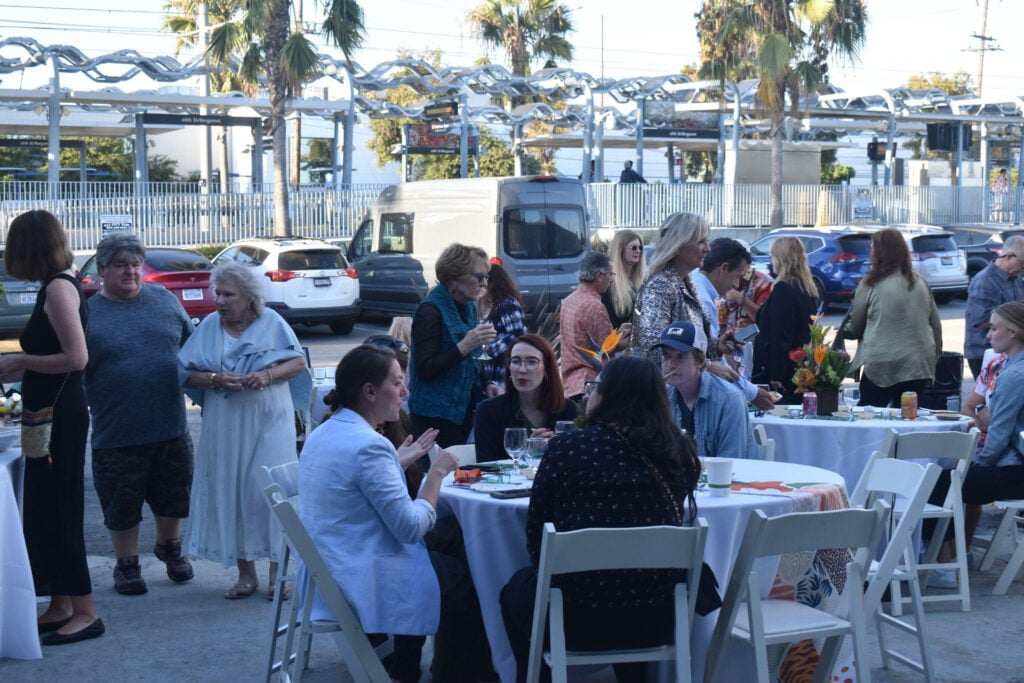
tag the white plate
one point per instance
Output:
(487, 486)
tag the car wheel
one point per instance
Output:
(822, 296)
(343, 327)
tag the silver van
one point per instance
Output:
(536, 227)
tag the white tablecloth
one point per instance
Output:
(18, 635)
(495, 534)
(838, 445)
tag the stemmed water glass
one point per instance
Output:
(851, 397)
(515, 446)
(536, 447)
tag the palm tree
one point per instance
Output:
(257, 33)
(528, 30)
(784, 43)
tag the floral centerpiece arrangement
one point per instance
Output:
(820, 367)
(601, 353)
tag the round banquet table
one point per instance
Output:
(495, 537)
(842, 446)
(18, 635)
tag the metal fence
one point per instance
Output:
(179, 214)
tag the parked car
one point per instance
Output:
(838, 257)
(981, 244)
(185, 273)
(937, 258)
(307, 281)
(16, 304)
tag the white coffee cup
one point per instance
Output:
(719, 475)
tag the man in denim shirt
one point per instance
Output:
(710, 409)
(996, 284)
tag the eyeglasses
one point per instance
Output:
(396, 345)
(637, 247)
(480, 277)
(1008, 255)
(590, 387)
(530, 363)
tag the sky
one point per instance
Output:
(642, 37)
(612, 38)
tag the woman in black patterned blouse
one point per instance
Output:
(618, 471)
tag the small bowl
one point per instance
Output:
(866, 415)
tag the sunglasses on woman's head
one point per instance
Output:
(396, 345)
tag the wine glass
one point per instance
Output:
(564, 426)
(482, 353)
(536, 447)
(515, 446)
(851, 397)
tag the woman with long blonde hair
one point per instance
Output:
(784, 319)
(627, 254)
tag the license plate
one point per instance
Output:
(192, 294)
(947, 260)
(321, 282)
(28, 298)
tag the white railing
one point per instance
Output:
(178, 213)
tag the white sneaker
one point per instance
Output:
(942, 578)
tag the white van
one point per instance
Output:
(535, 227)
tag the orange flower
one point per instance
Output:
(589, 352)
(805, 379)
(609, 343)
(819, 354)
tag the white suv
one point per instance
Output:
(306, 280)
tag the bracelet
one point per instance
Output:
(270, 375)
(213, 378)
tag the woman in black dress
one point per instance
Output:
(50, 370)
(785, 318)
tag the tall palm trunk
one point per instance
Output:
(273, 44)
(778, 133)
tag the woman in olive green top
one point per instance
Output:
(896, 323)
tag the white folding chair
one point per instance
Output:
(1013, 512)
(466, 454)
(765, 446)
(654, 547)
(764, 621)
(360, 657)
(957, 446)
(911, 483)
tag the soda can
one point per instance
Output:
(810, 403)
(953, 403)
(908, 405)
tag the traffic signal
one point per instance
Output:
(876, 151)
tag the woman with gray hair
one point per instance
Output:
(669, 294)
(247, 369)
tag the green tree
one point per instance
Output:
(786, 44)
(528, 31)
(258, 33)
(496, 159)
(959, 83)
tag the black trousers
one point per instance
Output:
(982, 485)
(873, 395)
(585, 628)
(461, 651)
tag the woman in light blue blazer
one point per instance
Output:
(354, 502)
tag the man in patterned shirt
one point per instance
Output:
(584, 322)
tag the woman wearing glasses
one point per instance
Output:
(533, 398)
(627, 253)
(445, 383)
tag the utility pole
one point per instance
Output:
(985, 44)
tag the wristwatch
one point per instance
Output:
(213, 378)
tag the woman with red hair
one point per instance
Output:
(533, 398)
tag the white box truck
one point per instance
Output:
(536, 227)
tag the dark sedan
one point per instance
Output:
(183, 272)
(981, 246)
(16, 303)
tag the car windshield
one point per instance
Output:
(176, 261)
(312, 259)
(856, 244)
(933, 243)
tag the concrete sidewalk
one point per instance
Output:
(189, 632)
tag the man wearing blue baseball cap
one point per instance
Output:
(710, 409)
